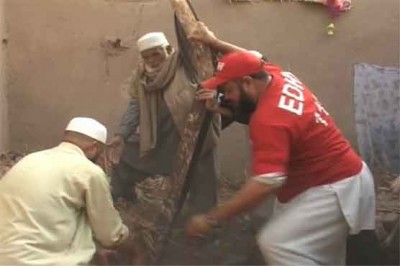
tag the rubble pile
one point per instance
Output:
(147, 220)
(7, 160)
(388, 216)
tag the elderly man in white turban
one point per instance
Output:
(53, 203)
(161, 97)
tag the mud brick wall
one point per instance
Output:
(64, 61)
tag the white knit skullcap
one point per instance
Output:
(151, 40)
(89, 127)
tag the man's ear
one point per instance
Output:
(248, 81)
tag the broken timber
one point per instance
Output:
(202, 61)
(150, 226)
(197, 123)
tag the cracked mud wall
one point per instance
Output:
(65, 58)
(60, 66)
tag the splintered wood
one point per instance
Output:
(155, 219)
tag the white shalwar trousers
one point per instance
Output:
(312, 228)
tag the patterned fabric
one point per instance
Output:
(377, 113)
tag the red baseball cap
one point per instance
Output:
(233, 66)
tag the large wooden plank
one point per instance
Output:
(202, 61)
(150, 221)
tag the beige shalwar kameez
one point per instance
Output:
(53, 203)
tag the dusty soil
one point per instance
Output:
(388, 216)
(235, 244)
(7, 160)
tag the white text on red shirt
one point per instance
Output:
(292, 98)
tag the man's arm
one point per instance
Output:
(270, 154)
(225, 47)
(248, 197)
(205, 36)
(104, 219)
(129, 120)
(129, 123)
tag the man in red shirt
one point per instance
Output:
(324, 190)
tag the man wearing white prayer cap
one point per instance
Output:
(146, 143)
(151, 40)
(54, 203)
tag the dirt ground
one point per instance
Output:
(388, 216)
(235, 244)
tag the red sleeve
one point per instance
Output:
(270, 148)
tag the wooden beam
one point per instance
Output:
(202, 55)
(157, 223)
(202, 62)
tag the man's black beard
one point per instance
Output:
(246, 105)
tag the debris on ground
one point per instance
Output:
(387, 218)
(7, 160)
(235, 243)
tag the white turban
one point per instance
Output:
(151, 40)
(88, 127)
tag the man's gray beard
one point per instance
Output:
(154, 71)
(151, 70)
